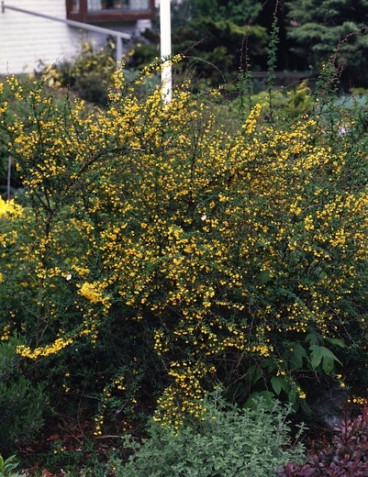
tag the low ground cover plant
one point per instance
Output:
(155, 255)
(229, 441)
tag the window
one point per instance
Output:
(96, 11)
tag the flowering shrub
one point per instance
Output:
(158, 256)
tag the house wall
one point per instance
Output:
(25, 40)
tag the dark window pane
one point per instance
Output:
(96, 5)
(75, 6)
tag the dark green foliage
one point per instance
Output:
(237, 11)
(210, 35)
(220, 37)
(22, 403)
(333, 27)
(213, 48)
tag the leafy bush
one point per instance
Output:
(89, 74)
(345, 456)
(229, 441)
(22, 403)
(158, 255)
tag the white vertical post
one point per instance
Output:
(165, 34)
(119, 50)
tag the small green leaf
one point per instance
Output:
(264, 277)
(279, 384)
(283, 292)
(254, 373)
(328, 365)
(296, 359)
(316, 355)
(269, 364)
(276, 385)
(320, 355)
(252, 401)
(312, 338)
(336, 342)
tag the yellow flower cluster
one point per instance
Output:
(48, 350)
(92, 292)
(252, 119)
(9, 208)
(5, 335)
(185, 397)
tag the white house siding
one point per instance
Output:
(25, 40)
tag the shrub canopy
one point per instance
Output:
(158, 256)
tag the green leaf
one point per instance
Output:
(298, 353)
(312, 338)
(283, 292)
(306, 408)
(269, 364)
(316, 356)
(276, 385)
(254, 373)
(279, 384)
(264, 277)
(336, 342)
(8, 465)
(294, 399)
(320, 355)
(267, 396)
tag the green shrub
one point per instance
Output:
(89, 74)
(230, 441)
(22, 403)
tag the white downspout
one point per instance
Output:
(165, 44)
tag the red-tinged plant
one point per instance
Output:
(345, 456)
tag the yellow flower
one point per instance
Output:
(9, 208)
(90, 291)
